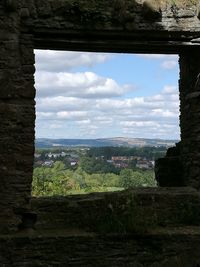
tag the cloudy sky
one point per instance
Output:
(96, 95)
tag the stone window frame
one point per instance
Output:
(126, 26)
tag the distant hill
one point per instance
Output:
(101, 142)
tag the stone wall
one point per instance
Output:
(169, 170)
(190, 116)
(136, 228)
(120, 26)
(135, 211)
(114, 25)
(156, 249)
(17, 115)
(131, 26)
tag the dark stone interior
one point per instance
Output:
(151, 227)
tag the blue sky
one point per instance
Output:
(145, 72)
(96, 95)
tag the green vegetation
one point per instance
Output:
(149, 153)
(61, 181)
(75, 170)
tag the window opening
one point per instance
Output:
(102, 119)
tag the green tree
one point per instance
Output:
(130, 178)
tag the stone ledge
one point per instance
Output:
(131, 211)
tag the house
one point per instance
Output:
(144, 164)
(73, 163)
(37, 156)
(48, 163)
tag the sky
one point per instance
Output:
(103, 95)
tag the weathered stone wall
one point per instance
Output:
(145, 228)
(114, 25)
(190, 116)
(138, 211)
(120, 25)
(129, 26)
(168, 248)
(169, 170)
(17, 115)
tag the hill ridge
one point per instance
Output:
(101, 142)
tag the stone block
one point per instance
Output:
(198, 10)
(24, 13)
(168, 172)
(151, 10)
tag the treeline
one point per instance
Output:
(149, 153)
(59, 180)
(91, 165)
(94, 170)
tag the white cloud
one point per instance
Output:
(139, 124)
(60, 103)
(163, 113)
(62, 61)
(84, 104)
(44, 115)
(85, 85)
(168, 90)
(71, 115)
(84, 122)
(169, 64)
(54, 126)
(138, 116)
(152, 56)
(157, 56)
